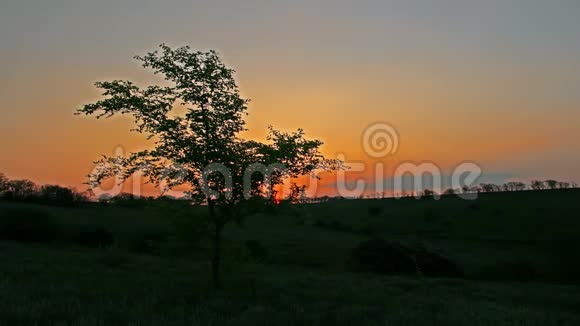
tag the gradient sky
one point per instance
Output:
(496, 82)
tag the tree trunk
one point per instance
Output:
(216, 259)
(217, 244)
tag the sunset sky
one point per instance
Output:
(495, 82)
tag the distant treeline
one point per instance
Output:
(511, 186)
(517, 186)
(26, 190)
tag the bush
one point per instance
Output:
(28, 225)
(384, 257)
(92, 236)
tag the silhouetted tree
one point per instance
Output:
(104, 198)
(514, 186)
(128, 200)
(297, 193)
(470, 189)
(57, 195)
(489, 187)
(3, 183)
(520, 186)
(428, 193)
(538, 185)
(21, 189)
(552, 184)
(201, 148)
(563, 185)
(450, 191)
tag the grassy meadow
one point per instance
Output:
(148, 264)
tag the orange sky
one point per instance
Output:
(493, 86)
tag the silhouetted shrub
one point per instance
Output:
(384, 257)
(28, 225)
(257, 251)
(92, 236)
(375, 210)
(519, 270)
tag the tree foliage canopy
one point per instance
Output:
(200, 147)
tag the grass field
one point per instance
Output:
(500, 240)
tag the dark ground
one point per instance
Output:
(518, 251)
